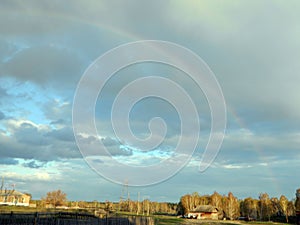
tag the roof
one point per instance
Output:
(10, 192)
(205, 208)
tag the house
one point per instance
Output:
(204, 212)
(12, 197)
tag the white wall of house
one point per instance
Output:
(13, 203)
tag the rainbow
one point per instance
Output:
(259, 151)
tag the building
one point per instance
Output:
(12, 197)
(204, 212)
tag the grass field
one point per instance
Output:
(23, 209)
(169, 220)
(164, 220)
(159, 219)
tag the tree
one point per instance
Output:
(275, 207)
(265, 206)
(232, 208)
(185, 203)
(284, 203)
(291, 209)
(216, 200)
(108, 206)
(195, 200)
(204, 200)
(249, 207)
(55, 198)
(297, 203)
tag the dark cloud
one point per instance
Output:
(98, 161)
(3, 93)
(32, 142)
(33, 164)
(2, 116)
(114, 147)
(58, 122)
(63, 134)
(11, 149)
(30, 135)
(8, 161)
(92, 145)
(44, 64)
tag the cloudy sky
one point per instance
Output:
(252, 47)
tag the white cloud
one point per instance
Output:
(37, 176)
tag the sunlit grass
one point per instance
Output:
(165, 220)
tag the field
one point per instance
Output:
(23, 209)
(168, 220)
(159, 219)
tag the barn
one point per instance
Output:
(204, 212)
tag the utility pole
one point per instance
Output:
(2, 183)
(124, 193)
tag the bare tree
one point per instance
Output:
(232, 208)
(216, 200)
(195, 200)
(249, 207)
(284, 202)
(291, 211)
(55, 198)
(265, 204)
(185, 202)
(275, 207)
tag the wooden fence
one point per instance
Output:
(65, 218)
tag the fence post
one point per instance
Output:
(11, 217)
(58, 219)
(298, 217)
(36, 218)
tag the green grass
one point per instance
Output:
(159, 219)
(6, 209)
(265, 222)
(165, 220)
(23, 209)
(171, 220)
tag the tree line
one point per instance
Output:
(58, 198)
(230, 207)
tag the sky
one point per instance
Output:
(252, 48)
